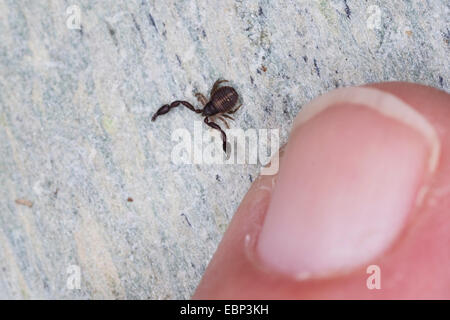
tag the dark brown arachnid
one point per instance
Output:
(222, 102)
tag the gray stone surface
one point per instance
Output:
(76, 138)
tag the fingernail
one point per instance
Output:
(355, 166)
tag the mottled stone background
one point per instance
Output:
(76, 139)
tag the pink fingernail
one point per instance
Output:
(355, 166)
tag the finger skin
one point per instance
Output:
(417, 266)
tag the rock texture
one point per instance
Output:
(86, 180)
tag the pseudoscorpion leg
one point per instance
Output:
(227, 116)
(233, 111)
(224, 121)
(201, 98)
(216, 86)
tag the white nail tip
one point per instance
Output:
(381, 101)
